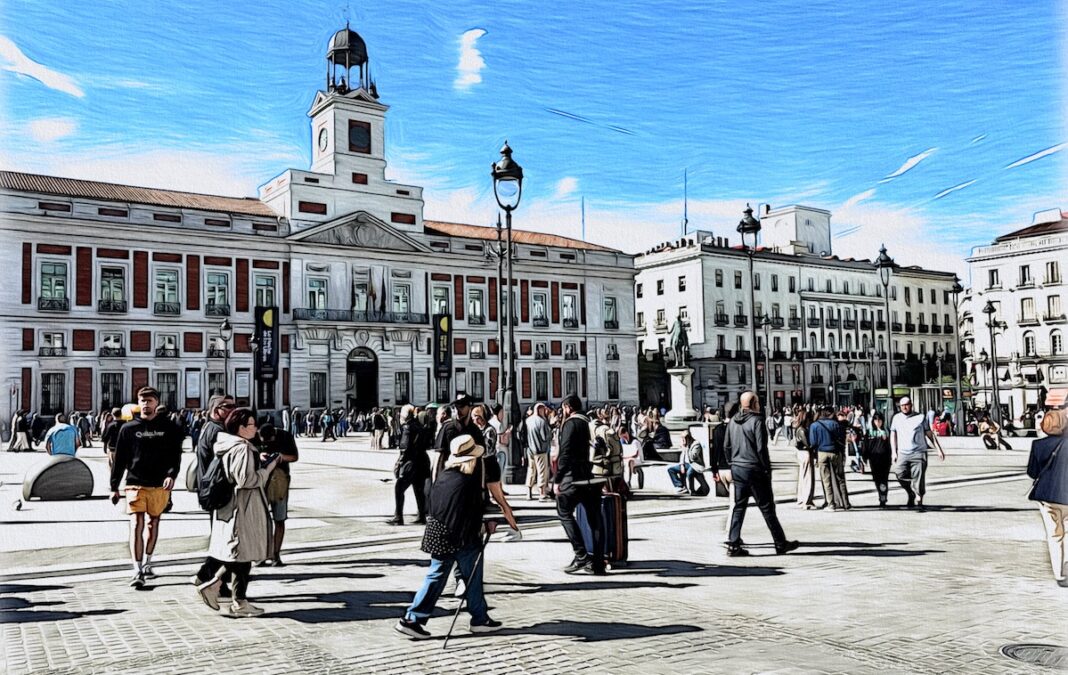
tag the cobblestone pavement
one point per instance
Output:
(888, 591)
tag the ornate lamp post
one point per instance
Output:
(884, 264)
(508, 190)
(225, 333)
(254, 343)
(750, 227)
(497, 252)
(766, 323)
(991, 323)
(957, 290)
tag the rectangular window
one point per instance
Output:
(217, 292)
(317, 390)
(538, 303)
(571, 383)
(317, 293)
(166, 286)
(359, 295)
(265, 289)
(111, 340)
(54, 280)
(775, 283)
(993, 278)
(934, 296)
(359, 178)
(570, 302)
(53, 393)
(1053, 306)
(475, 309)
(610, 319)
(641, 319)
(638, 290)
(112, 285)
(1027, 309)
(402, 298)
(719, 278)
(1025, 275)
(440, 303)
(541, 385)
(684, 315)
(830, 286)
(167, 384)
(1053, 272)
(793, 285)
(167, 217)
(919, 295)
(402, 383)
(660, 318)
(216, 383)
(682, 283)
(478, 385)
(756, 281)
(737, 280)
(360, 137)
(775, 311)
(112, 393)
(402, 218)
(659, 286)
(312, 207)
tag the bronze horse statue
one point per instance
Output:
(679, 344)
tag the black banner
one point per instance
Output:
(267, 334)
(443, 345)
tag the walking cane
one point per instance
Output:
(467, 589)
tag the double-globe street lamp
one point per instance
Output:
(750, 227)
(508, 190)
(767, 322)
(992, 324)
(884, 264)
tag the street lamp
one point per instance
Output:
(885, 266)
(225, 333)
(991, 323)
(498, 253)
(508, 190)
(765, 323)
(981, 359)
(957, 290)
(871, 376)
(750, 226)
(254, 343)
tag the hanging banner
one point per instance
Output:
(267, 354)
(442, 346)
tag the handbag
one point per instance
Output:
(277, 486)
(721, 489)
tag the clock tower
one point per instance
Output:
(348, 151)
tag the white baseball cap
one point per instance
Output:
(905, 400)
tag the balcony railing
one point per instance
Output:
(52, 351)
(614, 356)
(813, 322)
(1053, 318)
(741, 353)
(923, 328)
(571, 356)
(833, 323)
(476, 355)
(216, 353)
(722, 320)
(540, 322)
(570, 322)
(1026, 283)
(795, 322)
(476, 319)
(723, 353)
(611, 325)
(778, 354)
(166, 352)
(741, 320)
(1029, 320)
(216, 309)
(817, 379)
(880, 325)
(849, 324)
(777, 322)
(936, 329)
(167, 308)
(816, 354)
(111, 306)
(865, 324)
(910, 327)
(1051, 281)
(54, 304)
(358, 316)
(112, 352)
(541, 356)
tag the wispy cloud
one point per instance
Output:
(1038, 155)
(955, 188)
(19, 63)
(49, 129)
(858, 198)
(977, 139)
(587, 120)
(565, 187)
(910, 164)
(469, 69)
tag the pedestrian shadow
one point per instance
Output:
(685, 568)
(31, 616)
(11, 589)
(517, 588)
(872, 552)
(966, 508)
(296, 577)
(7, 604)
(365, 562)
(345, 606)
(599, 631)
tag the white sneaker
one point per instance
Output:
(243, 608)
(461, 588)
(209, 593)
(148, 573)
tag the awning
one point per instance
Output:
(1056, 398)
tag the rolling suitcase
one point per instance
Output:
(614, 521)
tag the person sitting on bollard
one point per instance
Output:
(62, 438)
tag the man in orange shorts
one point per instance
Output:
(149, 452)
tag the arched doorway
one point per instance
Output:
(361, 381)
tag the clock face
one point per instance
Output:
(359, 137)
(324, 137)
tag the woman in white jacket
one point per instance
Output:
(241, 530)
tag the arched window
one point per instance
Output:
(849, 343)
(812, 341)
(830, 342)
(1056, 343)
(1029, 343)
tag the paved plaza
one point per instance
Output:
(870, 590)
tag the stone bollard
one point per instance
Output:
(58, 477)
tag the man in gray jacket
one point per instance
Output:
(746, 446)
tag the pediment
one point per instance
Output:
(361, 230)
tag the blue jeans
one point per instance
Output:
(436, 578)
(675, 474)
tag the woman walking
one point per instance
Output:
(413, 466)
(879, 455)
(806, 461)
(241, 530)
(1048, 465)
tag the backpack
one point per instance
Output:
(606, 452)
(214, 490)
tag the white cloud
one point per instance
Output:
(1038, 155)
(910, 237)
(910, 163)
(17, 62)
(858, 198)
(469, 69)
(955, 188)
(50, 129)
(565, 187)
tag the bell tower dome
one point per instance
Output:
(346, 51)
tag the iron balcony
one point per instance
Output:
(111, 306)
(54, 304)
(359, 316)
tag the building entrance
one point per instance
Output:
(361, 382)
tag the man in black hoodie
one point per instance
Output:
(575, 485)
(746, 445)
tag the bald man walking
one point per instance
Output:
(746, 445)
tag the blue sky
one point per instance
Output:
(819, 103)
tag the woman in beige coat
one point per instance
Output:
(241, 530)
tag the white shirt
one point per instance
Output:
(910, 431)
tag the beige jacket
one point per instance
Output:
(241, 530)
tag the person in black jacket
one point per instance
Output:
(219, 406)
(1048, 465)
(747, 446)
(721, 462)
(413, 467)
(457, 426)
(149, 452)
(574, 486)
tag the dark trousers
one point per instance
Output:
(755, 482)
(419, 484)
(239, 570)
(590, 498)
(880, 473)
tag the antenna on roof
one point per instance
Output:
(583, 218)
(685, 201)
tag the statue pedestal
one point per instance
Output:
(682, 412)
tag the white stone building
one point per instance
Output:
(110, 287)
(1022, 274)
(824, 312)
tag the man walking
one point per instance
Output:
(574, 487)
(149, 452)
(539, 442)
(282, 443)
(457, 426)
(908, 433)
(828, 438)
(109, 437)
(62, 438)
(747, 446)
